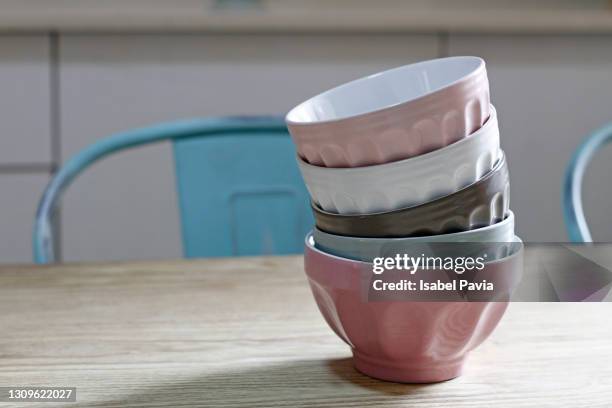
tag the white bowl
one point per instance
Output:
(414, 181)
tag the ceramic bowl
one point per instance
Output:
(414, 181)
(478, 205)
(392, 115)
(404, 341)
(492, 240)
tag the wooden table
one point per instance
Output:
(247, 332)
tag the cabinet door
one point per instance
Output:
(550, 92)
(125, 208)
(19, 194)
(25, 136)
(25, 139)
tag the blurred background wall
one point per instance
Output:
(73, 72)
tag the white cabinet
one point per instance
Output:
(25, 136)
(125, 208)
(550, 92)
(19, 195)
(25, 139)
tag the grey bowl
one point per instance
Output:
(480, 204)
(493, 240)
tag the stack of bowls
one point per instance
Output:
(397, 162)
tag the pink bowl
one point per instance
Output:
(392, 115)
(400, 340)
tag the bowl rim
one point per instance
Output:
(480, 65)
(490, 125)
(517, 242)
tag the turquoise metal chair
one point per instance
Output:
(239, 189)
(577, 227)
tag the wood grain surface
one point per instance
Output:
(246, 332)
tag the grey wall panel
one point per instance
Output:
(19, 194)
(550, 91)
(126, 208)
(24, 99)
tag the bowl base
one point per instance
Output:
(407, 372)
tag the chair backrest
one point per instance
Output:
(241, 195)
(239, 188)
(575, 221)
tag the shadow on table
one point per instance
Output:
(299, 383)
(343, 369)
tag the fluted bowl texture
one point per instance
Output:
(404, 183)
(478, 205)
(401, 341)
(393, 115)
(492, 240)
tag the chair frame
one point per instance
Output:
(575, 221)
(44, 249)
